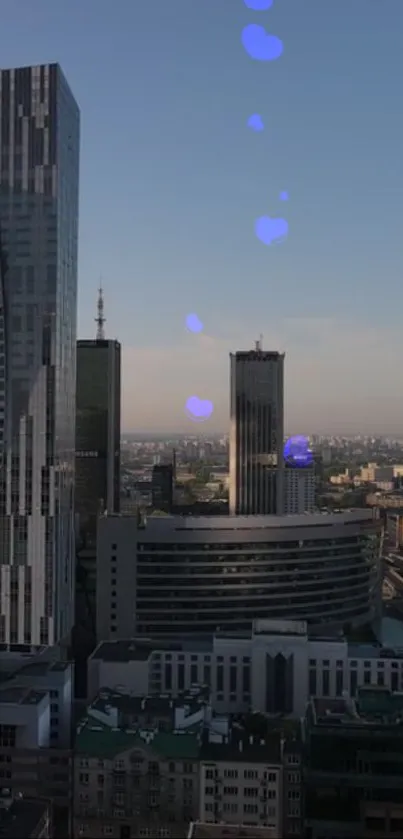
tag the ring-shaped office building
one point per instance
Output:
(191, 575)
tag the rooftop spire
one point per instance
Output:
(100, 319)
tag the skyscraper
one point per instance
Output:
(97, 433)
(256, 432)
(39, 175)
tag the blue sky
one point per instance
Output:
(172, 181)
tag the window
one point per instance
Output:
(250, 774)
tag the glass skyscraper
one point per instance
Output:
(257, 433)
(39, 178)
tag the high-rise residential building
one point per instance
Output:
(256, 432)
(97, 433)
(299, 489)
(39, 180)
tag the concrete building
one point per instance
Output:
(241, 776)
(39, 179)
(353, 776)
(275, 668)
(256, 432)
(35, 729)
(299, 490)
(177, 575)
(30, 818)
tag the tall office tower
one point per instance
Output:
(256, 433)
(97, 433)
(39, 175)
(162, 486)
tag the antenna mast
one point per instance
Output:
(100, 319)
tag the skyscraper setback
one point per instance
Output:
(39, 175)
(256, 432)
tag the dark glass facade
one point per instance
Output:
(39, 180)
(162, 487)
(256, 433)
(98, 398)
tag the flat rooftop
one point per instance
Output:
(373, 706)
(251, 738)
(22, 818)
(203, 830)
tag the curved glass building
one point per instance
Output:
(191, 575)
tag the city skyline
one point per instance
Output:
(323, 296)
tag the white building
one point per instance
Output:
(274, 669)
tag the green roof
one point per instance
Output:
(104, 742)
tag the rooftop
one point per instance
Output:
(153, 706)
(116, 722)
(21, 695)
(251, 738)
(22, 818)
(203, 830)
(101, 741)
(140, 649)
(374, 706)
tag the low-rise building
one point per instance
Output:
(35, 730)
(137, 765)
(275, 668)
(353, 775)
(241, 777)
(146, 766)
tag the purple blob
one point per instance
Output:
(259, 45)
(255, 122)
(193, 323)
(258, 5)
(271, 230)
(297, 452)
(199, 410)
(283, 196)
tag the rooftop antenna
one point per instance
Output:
(258, 344)
(100, 319)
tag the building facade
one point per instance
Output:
(299, 490)
(256, 433)
(98, 398)
(39, 180)
(179, 575)
(274, 669)
(353, 775)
